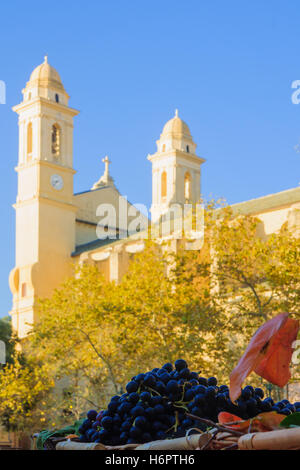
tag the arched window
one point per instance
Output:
(55, 140)
(164, 147)
(164, 184)
(56, 98)
(24, 289)
(29, 140)
(188, 149)
(187, 186)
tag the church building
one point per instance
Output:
(56, 228)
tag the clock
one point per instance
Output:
(57, 182)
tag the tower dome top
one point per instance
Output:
(176, 127)
(45, 75)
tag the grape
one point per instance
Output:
(126, 425)
(134, 432)
(123, 437)
(158, 409)
(187, 423)
(160, 435)
(146, 437)
(85, 426)
(124, 408)
(132, 386)
(189, 395)
(200, 389)
(221, 399)
(286, 411)
(156, 400)
(155, 405)
(165, 377)
(117, 420)
(137, 411)
(269, 400)
(141, 422)
(149, 380)
(246, 394)
(197, 411)
(259, 392)
(139, 378)
(212, 381)
(133, 397)
(149, 412)
(92, 415)
(107, 422)
(266, 405)
(194, 375)
(250, 390)
(180, 364)
(157, 425)
(145, 397)
(115, 398)
(203, 381)
(193, 382)
(168, 367)
(113, 405)
(184, 373)
(131, 441)
(210, 392)
(291, 407)
(172, 386)
(89, 433)
(99, 416)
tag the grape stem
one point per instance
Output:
(180, 406)
(215, 425)
(210, 439)
(151, 390)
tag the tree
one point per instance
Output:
(249, 278)
(23, 389)
(6, 335)
(74, 337)
(156, 320)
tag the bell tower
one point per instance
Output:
(45, 213)
(176, 169)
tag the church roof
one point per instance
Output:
(269, 202)
(92, 246)
(176, 127)
(45, 74)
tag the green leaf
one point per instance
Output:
(291, 421)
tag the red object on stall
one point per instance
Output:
(268, 354)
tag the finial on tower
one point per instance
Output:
(107, 162)
(46, 59)
(105, 179)
(176, 112)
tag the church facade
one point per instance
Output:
(56, 228)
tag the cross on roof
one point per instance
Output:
(107, 163)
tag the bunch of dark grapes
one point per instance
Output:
(155, 404)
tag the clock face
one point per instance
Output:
(57, 182)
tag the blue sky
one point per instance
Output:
(227, 66)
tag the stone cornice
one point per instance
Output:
(45, 200)
(44, 102)
(45, 163)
